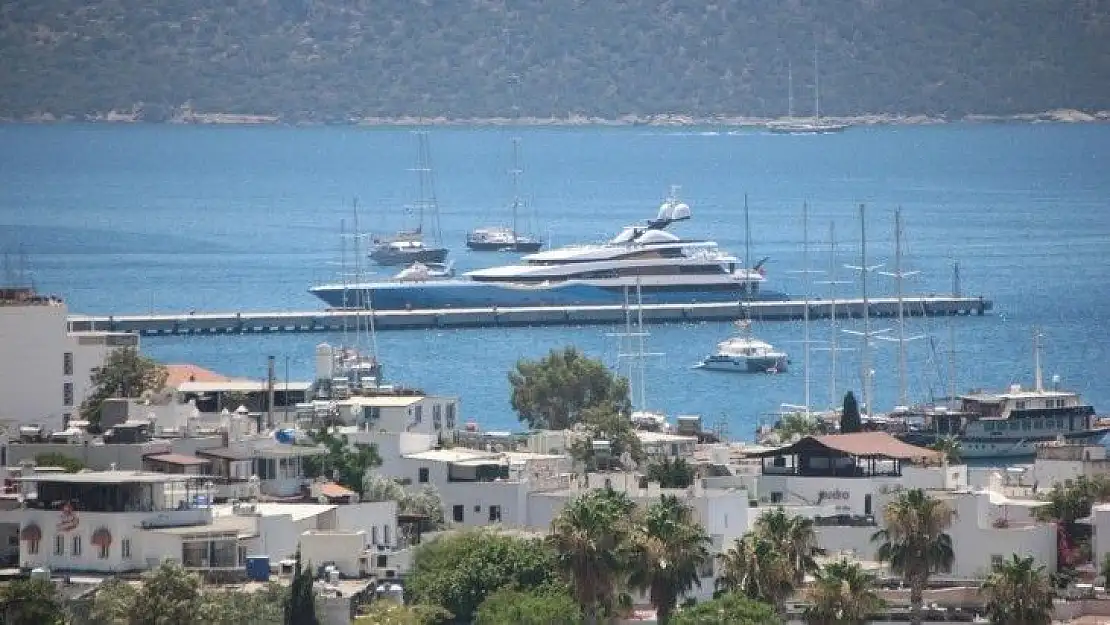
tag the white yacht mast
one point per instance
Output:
(790, 89)
(1038, 381)
(816, 84)
(805, 309)
(515, 173)
(365, 306)
(834, 340)
(952, 336)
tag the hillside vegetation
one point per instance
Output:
(339, 60)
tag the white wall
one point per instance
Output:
(377, 518)
(477, 497)
(342, 548)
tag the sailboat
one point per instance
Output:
(502, 238)
(745, 353)
(632, 349)
(812, 126)
(408, 246)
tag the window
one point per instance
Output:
(77, 545)
(374, 535)
(385, 535)
(776, 497)
(457, 514)
(1038, 423)
(372, 413)
(33, 547)
(437, 416)
(996, 561)
(988, 426)
(125, 548)
(1014, 425)
(67, 393)
(102, 550)
(423, 475)
(419, 415)
(67, 363)
(381, 562)
(1020, 405)
(450, 416)
(495, 514)
(59, 545)
(1026, 424)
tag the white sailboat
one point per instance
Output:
(632, 350)
(506, 238)
(408, 246)
(801, 126)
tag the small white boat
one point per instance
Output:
(422, 272)
(746, 354)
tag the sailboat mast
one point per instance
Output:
(952, 336)
(832, 313)
(816, 84)
(363, 297)
(805, 309)
(790, 89)
(747, 236)
(626, 340)
(516, 183)
(865, 361)
(903, 400)
(640, 353)
(1038, 381)
(343, 272)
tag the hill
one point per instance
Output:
(338, 60)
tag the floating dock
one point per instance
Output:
(337, 320)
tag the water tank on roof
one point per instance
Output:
(258, 568)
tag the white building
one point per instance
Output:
(45, 370)
(1058, 464)
(425, 414)
(845, 482)
(118, 521)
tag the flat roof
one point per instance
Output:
(384, 401)
(299, 511)
(178, 459)
(243, 526)
(647, 436)
(108, 477)
(457, 454)
(240, 386)
(268, 450)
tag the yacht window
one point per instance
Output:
(1014, 425)
(1026, 424)
(1020, 405)
(1039, 424)
(988, 426)
(1060, 424)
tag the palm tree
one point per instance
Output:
(754, 567)
(1018, 593)
(668, 549)
(590, 538)
(794, 538)
(914, 542)
(844, 594)
(949, 446)
(672, 474)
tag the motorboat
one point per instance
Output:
(746, 354)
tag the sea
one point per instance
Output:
(146, 218)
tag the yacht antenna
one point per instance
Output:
(1038, 382)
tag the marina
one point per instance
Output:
(337, 320)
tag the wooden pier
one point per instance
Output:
(336, 320)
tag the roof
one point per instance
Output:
(239, 386)
(178, 459)
(860, 444)
(384, 401)
(275, 449)
(649, 437)
(332, 490)
(180, 373)
(243, 526)
(458, 454)
(106, 477)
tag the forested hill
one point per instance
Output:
(337, 60)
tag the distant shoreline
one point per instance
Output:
(189, 117)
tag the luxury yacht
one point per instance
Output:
(667, 269)
(745, 353)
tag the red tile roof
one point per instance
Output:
(331, 490)
(862, 444)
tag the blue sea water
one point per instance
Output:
(131, 219)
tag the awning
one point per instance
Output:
(31, 532)
(102, 537)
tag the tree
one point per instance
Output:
(1018, 593)
(949, 446)
(753, 566)
(727, 609)
(590, 538)
(843, 594)
(387, 612)
(457, 572)
(260, 607)
(672, 473)
(604, 423)
(300, 607)
(125, 373)
(553, 392)
(169, 594)
(345, 463)
(514, 607)
(668, 548)
(849, 415)
(62, 461)
(914, 543)
(30, 602)
(795, 538)
(114, 603)
(797, 424)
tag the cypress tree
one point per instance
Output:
(300, 607)
(849, 415)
